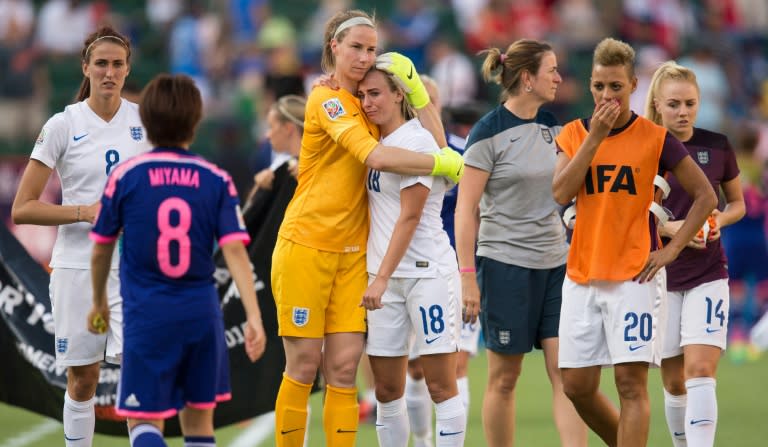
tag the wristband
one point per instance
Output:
(467, 270)
(78, 213)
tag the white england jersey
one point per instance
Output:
(430, 247)
(83, 149)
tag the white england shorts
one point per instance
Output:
(698, 316)
(72, 298)
(423, 312)
(469, 338)
(611, 322)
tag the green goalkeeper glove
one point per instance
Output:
(448, 163)
(406, 76)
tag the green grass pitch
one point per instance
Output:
(742, 391)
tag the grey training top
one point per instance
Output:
(519, 219)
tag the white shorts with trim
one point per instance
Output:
(611, 322)
(470, 337)
(698, 316)
(469, 340)
(72, 298)
(423, 312)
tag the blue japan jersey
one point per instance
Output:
(170, 205)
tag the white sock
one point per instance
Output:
(370, 396)
(392, 423)
(463, 384)
(419, 411)
(79, 422)
(701, 412)
(674, 410)
(451, 423)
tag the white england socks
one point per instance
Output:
(419, 411)
(674, 410)
(463, 384)
(392, 423)
(79, 422)
(701, 412)
(451, 422)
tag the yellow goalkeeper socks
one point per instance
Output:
(340, 416)
(291, 412)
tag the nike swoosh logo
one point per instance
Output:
(410, 75)
(711, 331)
(699, 421)
(429, 342)
(635, 348)
(78, 138)
(285, 432)
(72, 439)
(678, 433)
(512, 140)
(345, 431)
(450, 433)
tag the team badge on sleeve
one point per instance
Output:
(137, 133)
(41, 137)
(300, 316)
(546, 134)
(333, 108)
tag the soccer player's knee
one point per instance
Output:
(700, 369)
(505, 381)
(341, 372)
(303, 367)
(675, 388)
(387, 392)
(630, 387)
(82, 381)
(440, 392)
(578, 391)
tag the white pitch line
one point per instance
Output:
(35, 433)
(259, 430)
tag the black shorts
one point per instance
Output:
(519, 306)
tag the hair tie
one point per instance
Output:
(502, 57)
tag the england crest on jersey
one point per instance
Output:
(703, 157)
(546, 134)
(300, 316)
(137, 133)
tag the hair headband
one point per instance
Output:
(284, 111)
(354, 21)
(88, 49)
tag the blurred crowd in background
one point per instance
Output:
(244, 54)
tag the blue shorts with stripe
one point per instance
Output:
(519, 306)
(167, 368)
